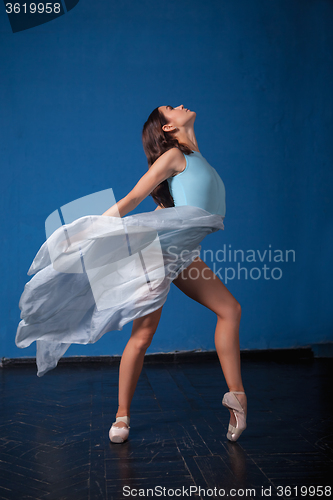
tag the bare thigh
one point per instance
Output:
(201, 284)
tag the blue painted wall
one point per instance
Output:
(75, 93)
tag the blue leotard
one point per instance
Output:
(198, 185)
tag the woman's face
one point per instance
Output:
(179, 116)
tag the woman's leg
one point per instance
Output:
(199, 283)
(132, 360)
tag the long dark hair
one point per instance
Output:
(155, 143)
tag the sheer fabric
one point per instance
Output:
(98, 273)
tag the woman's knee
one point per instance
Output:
(144, 329)
(143, 339)
(231, 311)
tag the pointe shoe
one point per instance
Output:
(230, 401)
(119, 434)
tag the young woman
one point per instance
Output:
(176, 166)
(99, 272)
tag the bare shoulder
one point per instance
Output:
(175, 160)
(166, 165)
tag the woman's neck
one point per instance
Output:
(188, 137)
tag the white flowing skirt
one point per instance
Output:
(98, 273)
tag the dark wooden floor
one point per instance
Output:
(55, 444)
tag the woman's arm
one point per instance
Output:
(121, 208)
(165, 166)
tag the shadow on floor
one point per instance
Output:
(55, 444)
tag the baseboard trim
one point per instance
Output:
(280, 355)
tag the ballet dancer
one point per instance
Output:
(179, 175)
